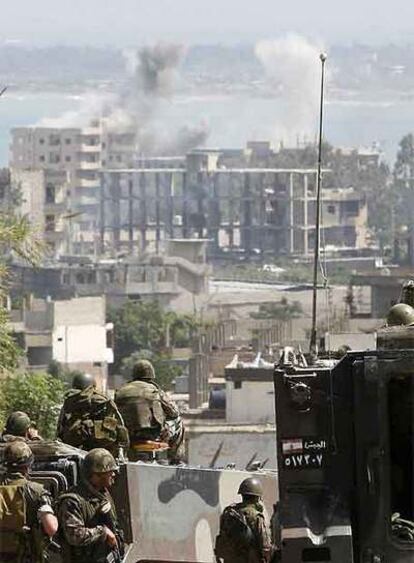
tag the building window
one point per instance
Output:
(41, 141)
(119, 158)
(42, 158)
(50, 193)
(80, 278)
(54, 140)
(331, 209)
(238, 384)
(66, 279)
(351, 208)
(50, 223)
(68, 141)
(67, 158)
(54, 158)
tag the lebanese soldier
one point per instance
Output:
(244, 536)
(19, 425)
(148, 413)
(88, 419)
(400, 314)
(26, 514)
(87, 514)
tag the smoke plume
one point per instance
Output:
(137, 106)
(292, 68)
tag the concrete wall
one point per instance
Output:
(80, 343)
(240, 443)
(252, 402)
(80, 311)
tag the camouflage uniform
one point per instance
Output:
(19, 427)
(83, 520)
(257, 547)
(148, 413)
(38, 501)
(88, 419)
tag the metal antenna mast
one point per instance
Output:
(312, 346)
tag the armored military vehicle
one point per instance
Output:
(345, 450)
(168, 513)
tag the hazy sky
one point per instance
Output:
(128, 22)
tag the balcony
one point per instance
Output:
(83, 165)
(84, 183)
(91, 148)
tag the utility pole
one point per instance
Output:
(313, 346)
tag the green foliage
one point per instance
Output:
(39, 395)
(138, 326)
(16, 238)
(143, 327)
(282, 310)
(165, 370)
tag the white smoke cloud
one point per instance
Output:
(293, 70)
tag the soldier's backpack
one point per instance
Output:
(13, 542)
(91, 420)
(235, 535)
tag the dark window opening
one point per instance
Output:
(50, 223)
(237, 384)
(50, 193)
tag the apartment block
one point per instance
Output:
(241, 211)
(80, 153)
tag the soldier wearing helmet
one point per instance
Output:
(87, 513)
(244, 535)
(148, 413)
(19, 425)
(89, 419)
(26, 515)
(400, 314)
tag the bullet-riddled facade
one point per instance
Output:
(265, 211)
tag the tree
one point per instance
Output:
(16, 239)
(138, 326)
(282, 310)
(165, 370)
(40, 395)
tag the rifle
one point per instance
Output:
(117, 553)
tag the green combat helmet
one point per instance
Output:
(400, 314)
(407, 293)
(18, 454)
(18, 424)
(251, 486)
(143, 369)
(99, 460)
(83, 380)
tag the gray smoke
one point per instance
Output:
(139, 105)
(292, 68)
(152, 76)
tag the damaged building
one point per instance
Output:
(242, 211)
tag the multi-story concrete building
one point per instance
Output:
(117, 201)
(42, 198)
(253, 211)
(80, 153)
(73, 332)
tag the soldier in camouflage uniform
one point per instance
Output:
(89, 527)
(19, 425)
(88, 419)
(148, 413)
(244, 535)
(26, 514)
